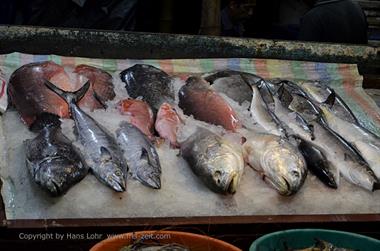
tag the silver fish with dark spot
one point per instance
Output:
(101, 151)
(140, 154)
(54, 163)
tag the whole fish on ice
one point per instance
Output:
(197, 99)
(54, 163)
(217, 162)
(140, 154)
(150, 83)
(101, 151)
(278, 161)
(338, 152)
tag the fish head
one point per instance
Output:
(284, 168)
(114, 176)
(225, 170)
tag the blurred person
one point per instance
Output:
(336, 21)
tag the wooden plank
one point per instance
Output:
(373, 21)
(191, 220)
(372, 13)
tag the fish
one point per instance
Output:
(218, 163)
(52, 160)
(232, 84)
(303, 133)
(27, 92)
(279, 162)
(152, 84)
(262, 113)
(101, 89)
(365, 143)
(140, 154)
(140, 115)
(197, 99)
(321, 94)
(340, 155)
(168, 123)
(100, 150)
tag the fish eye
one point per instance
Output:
(296, 174)
(217, 176)
(118, 172)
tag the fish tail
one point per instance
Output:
(69, 97)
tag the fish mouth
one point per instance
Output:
(55, 189)
(282, 185)
(233, 185)
(118, 185)
(152, 182)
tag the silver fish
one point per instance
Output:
(339, 153)
(263, 115)
(100, 149)
(54, 163)
(366, 143)
(322, 93)
(280, 163)
(215, 161)
(140, 154)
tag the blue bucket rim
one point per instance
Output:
(257, 241)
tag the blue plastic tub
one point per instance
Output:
(303, 238)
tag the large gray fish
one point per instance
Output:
(149, 82)
(281, 164)
(101, 151)
(140, 154)
(236, 85)
(339, 154)
(218, 163)
(54, 163)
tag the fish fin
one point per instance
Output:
(105, 154)
(69, 97)
(330, 99)
(145, 155)
(99, 99)
(305, 125)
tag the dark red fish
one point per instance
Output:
(30, 96)
(140, 114)
(167, 124)
(101, 84)
(197, 99)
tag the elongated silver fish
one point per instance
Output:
(54, 163)
(140, 154)
(321, 93)
(366, 143)
(102, 153)
(339, 154)
(280, 163)
(215, 161)
(262, 114)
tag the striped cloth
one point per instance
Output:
(344, 78)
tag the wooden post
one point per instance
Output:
(210, 19)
